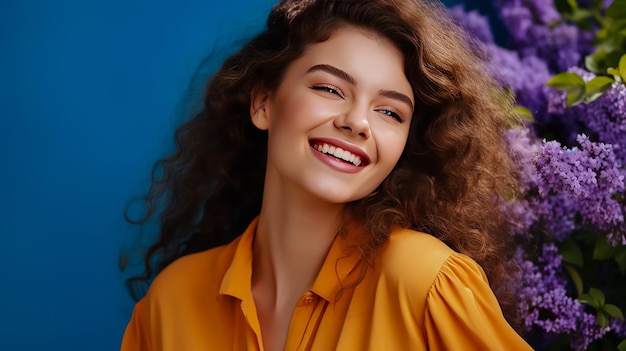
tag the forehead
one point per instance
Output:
(364, 54)
(346, 39)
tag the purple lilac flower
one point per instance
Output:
(618, 326)
(522, 216)
(532, 29)
(588, 175)
(557, 213)
(545, 304)
(605, 117)
(544, 10)
(523, 146)
(589, 330)
(473, 22)
(557, 99)
(568, 117)
(506, 65)
(517, 18)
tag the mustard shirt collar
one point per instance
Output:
(342, 258)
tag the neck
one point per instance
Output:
(294, 234)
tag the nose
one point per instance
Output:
(355, 121)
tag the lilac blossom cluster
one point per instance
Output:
(618, 326)
(506, 65)
(590, 177)
(604, 117)
(557, 215)
(588, 331)
(543, 290)
(523, 146)
(559, 183)
(536, 29)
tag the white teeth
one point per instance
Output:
(339, 153)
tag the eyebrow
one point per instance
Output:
(348, 78)
(334, 71)
(396, 96)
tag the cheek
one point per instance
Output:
(393, 144)
(398, 147)
(289, 113)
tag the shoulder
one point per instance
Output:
(410, 252)
(414, 263)
(446, 292)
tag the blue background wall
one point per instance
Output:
(89, 98)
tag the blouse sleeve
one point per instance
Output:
(135, 336)
(462, 312)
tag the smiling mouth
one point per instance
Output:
(339, 153)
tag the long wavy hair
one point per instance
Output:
(451, 180)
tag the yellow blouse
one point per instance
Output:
(418, 295)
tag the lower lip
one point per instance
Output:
(335, 163)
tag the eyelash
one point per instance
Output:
(328, 89)
(334, 91)
(391, 114)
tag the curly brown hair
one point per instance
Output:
(451, 180)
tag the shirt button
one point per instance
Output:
(308, 300)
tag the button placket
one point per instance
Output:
(307, 300)
(303, 320)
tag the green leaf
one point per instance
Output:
(622, 346)
(581, 18)
(524, 113)
(575, 97)
(593, 64)
(572, 83)
(597, 295)
(567, 81)
(598, 86)
(589, 300)
(603, 250)
(620, 259)
(573, 4)
(615, 73)
(617, 9)
(613, 311)
(576, 279)
(603, 319)
(571, 253)
(622, 68)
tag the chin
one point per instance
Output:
(338, 197)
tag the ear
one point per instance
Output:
(259, 100)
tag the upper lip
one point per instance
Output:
(365, 160)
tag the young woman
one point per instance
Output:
(338, 137)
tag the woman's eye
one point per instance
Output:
(392, 115)
(327, 89)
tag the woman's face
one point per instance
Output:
(339, 120)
